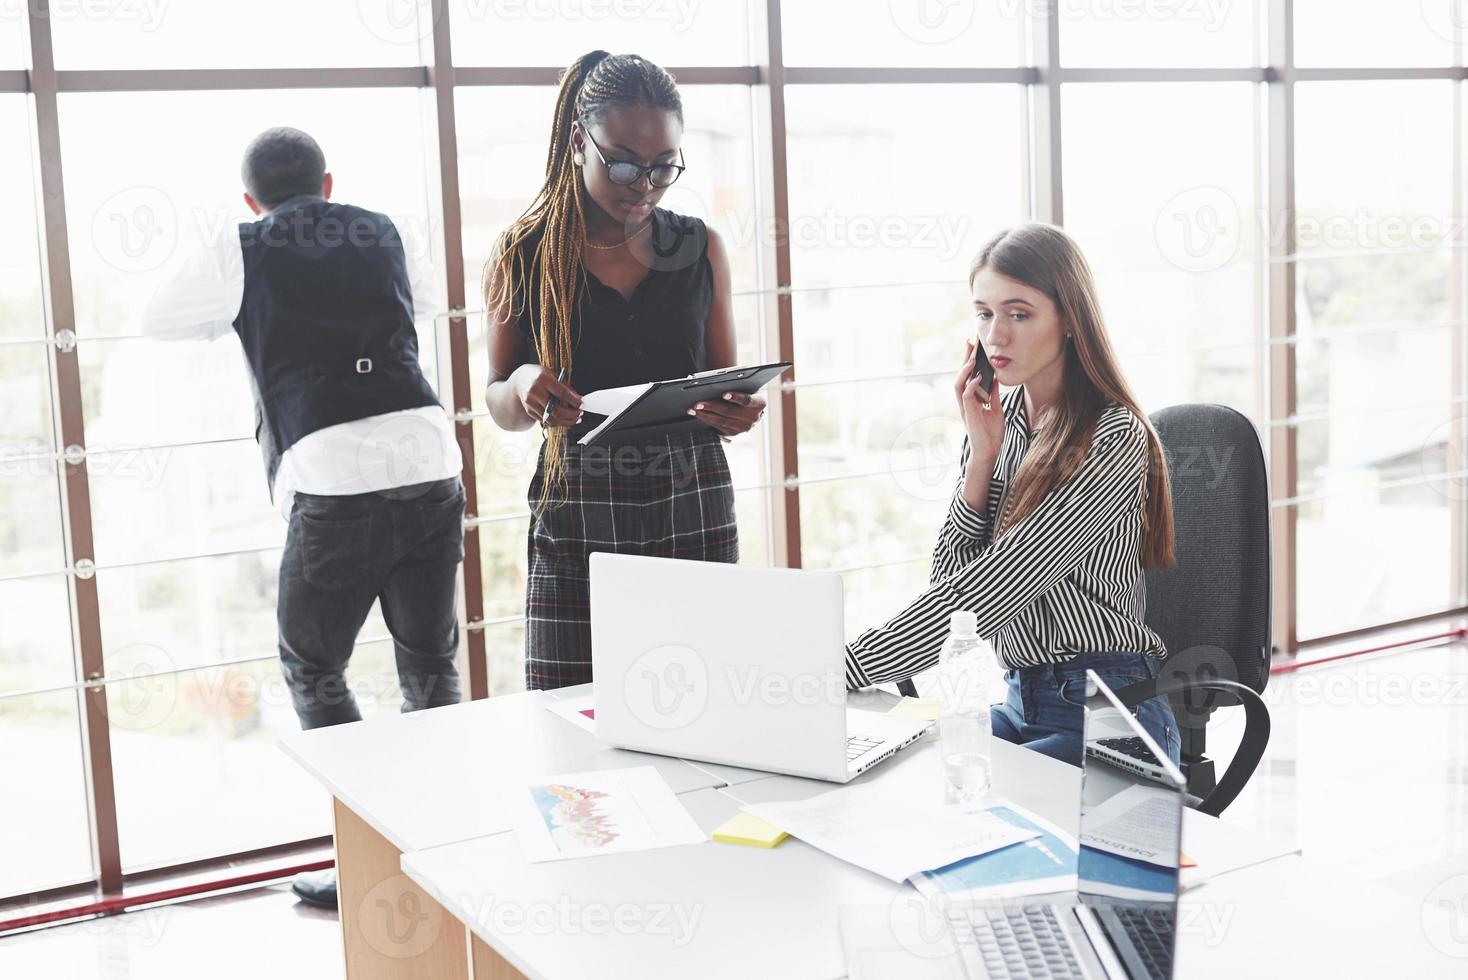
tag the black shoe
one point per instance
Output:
(316, 888)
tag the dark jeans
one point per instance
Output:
(1043, 709)
(402, 547)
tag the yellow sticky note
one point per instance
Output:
(923, 709)
(746, 828)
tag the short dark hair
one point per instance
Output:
(282, 163)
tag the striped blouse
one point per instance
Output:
(1066, 579)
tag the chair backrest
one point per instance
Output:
(1212, 608)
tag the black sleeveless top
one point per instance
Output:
(659, 333)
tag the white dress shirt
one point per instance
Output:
(200, 299)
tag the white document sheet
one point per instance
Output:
(610, 402)
(1219, 848)
(582, 814)
(578, 711)
(893, 835)
(1140, 822)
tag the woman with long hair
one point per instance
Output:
(595, 287)
(1062, 502)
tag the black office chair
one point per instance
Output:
(1212, 608)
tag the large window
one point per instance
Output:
(1174, 243)
(257, 34)
(1378, 318)
(140, 698)
(893, 188)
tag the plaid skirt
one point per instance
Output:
(673, 499)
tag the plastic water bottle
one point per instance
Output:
(965, 681)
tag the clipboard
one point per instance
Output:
(664, 406)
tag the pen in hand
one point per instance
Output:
(550, 402)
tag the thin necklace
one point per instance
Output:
(608, 248)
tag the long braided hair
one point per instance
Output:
(595, 82)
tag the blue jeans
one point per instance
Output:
(400, 547)
(1043, 707)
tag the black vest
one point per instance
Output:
(326, 321)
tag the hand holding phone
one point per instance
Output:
(981, 411)
(983, 370)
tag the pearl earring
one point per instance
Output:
(578, 158)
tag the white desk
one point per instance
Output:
(704, 910)
(755, 913)
(426, 778)
(431, 784)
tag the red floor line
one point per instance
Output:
(1287, 668)
(121, 903)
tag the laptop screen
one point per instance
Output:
(1130, 836)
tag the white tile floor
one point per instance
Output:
(263, 932)
(1367, 770)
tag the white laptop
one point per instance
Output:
(731, 664)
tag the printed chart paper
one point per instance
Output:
(584, 814)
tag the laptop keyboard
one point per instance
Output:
(1021, 943)
(1133, 747)
(1150, 932)
(859, 745)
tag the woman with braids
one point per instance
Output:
(594, 287)
(1062, 500)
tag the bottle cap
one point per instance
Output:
(964, 623)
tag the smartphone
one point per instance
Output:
(982, 368)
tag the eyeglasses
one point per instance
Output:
(625, 172)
